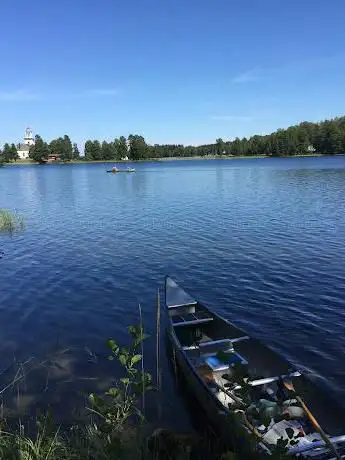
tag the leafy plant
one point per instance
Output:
(121, 401)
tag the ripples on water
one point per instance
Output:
(261, 241)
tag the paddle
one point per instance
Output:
(289, 386)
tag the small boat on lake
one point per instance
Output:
(248, 390)
(116, 170)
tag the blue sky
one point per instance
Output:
(174, 71)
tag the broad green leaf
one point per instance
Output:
(123, 360)
(96, 401)
(114, 392)
(135, 359)
(111, 344)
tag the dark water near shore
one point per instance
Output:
(261, 241)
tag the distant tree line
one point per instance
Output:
(327, 137)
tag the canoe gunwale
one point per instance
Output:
(191, 368)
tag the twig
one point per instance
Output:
(142, 359)
(158, 373)
(17, 377)
(95, 412)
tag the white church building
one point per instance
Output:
(23, 149)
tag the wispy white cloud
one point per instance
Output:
(20, 95)
(308, 64)
(231, 118)
(248, 76)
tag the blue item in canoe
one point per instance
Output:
(216, 363)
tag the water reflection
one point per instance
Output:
(139, 183)
(84, 183)
(219, 179)
(28, 186)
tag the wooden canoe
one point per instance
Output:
(238, 379)
(128, 170)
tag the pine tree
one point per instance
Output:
(39, 151)
(14, 153)
(7, 153)
(93, 150)
(108, 151)
(75, 152)
(138, 148)
(55, 146)
(88, 150)
(66, 149)
(220, 146)
(120, 147)
(97, 151)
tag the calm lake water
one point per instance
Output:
(261, 241)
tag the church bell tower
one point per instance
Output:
(28, 137)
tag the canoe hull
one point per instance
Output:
(196, 335)
(219, 419)
(215, 413)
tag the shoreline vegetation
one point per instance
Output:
(112, 425)
(304, 139)
(10, 221)
(167, 160)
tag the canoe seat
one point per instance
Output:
(181, 310)
(228, 344)
(213, 346)
(191, 319)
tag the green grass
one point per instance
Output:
(20, 162)
(10, 221)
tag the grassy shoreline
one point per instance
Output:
(167, 159)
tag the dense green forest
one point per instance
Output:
(327, 137)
